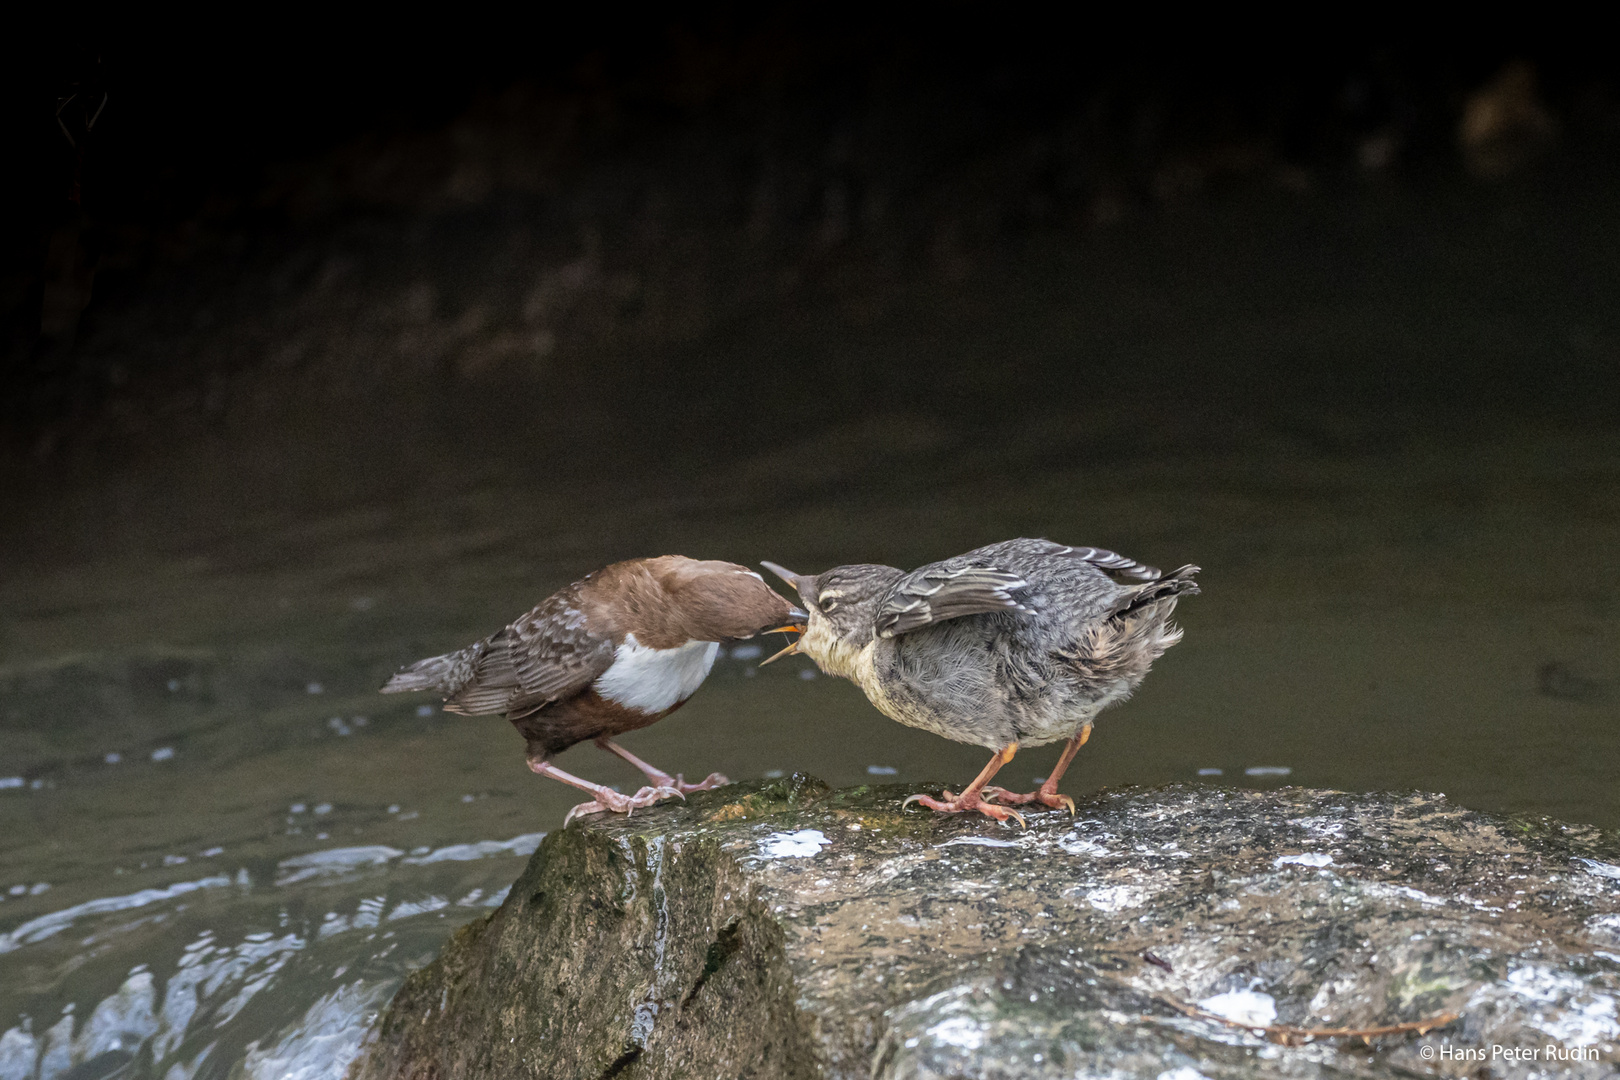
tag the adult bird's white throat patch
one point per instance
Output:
(653, 680)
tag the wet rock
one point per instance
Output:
(787, 930)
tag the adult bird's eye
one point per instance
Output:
(828, 605)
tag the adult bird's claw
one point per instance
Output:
(624, 804)
(713, 781)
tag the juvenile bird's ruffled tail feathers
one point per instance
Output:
(1176, 583)
(1124, 645)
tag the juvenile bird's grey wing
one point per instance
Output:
(545, 656)
(936, 593)
(1027, 556)
(1014, 552)
(1113, 562)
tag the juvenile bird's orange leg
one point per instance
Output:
(970, 799)
(1048, 794)
(658, 776)
(605, 797)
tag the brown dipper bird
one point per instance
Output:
(1017, 643)
(617, 650)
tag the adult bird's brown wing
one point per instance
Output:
(545, 656)
(936, 593)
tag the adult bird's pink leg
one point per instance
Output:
(605, 798)
(658, 776)
(970, 799)
(1048, 793)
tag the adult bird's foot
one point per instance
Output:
(715, 780)
(1043, 796)
(959, 804)
(609, 799)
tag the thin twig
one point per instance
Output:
(1288, 1035)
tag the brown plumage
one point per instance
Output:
(617, 650)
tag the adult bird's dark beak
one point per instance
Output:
(798, 623)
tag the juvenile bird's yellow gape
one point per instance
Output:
(1020, 643)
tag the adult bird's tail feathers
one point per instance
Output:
(447, 674)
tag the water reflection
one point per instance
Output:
(272, 978)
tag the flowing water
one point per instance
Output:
(1385, 427)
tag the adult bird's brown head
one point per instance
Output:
(617, 650)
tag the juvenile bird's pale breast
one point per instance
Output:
(655, 680)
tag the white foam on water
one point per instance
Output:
(418, 907)
(518, 845)
(1600, 869)
(54, 923)
(333, 861)
(1309, 858)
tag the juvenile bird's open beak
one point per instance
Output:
(789, 651)
(800, 623)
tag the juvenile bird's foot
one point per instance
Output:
(608, 799)
(714, 780)
(1043, 796)
(968, 800)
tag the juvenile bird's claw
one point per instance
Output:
(1046, 798)
(957, 804)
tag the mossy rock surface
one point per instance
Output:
(787, 930)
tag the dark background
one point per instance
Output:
(706, 163)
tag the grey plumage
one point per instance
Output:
(1023, 641)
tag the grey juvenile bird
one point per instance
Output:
(617, 650)
(1017, 643)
